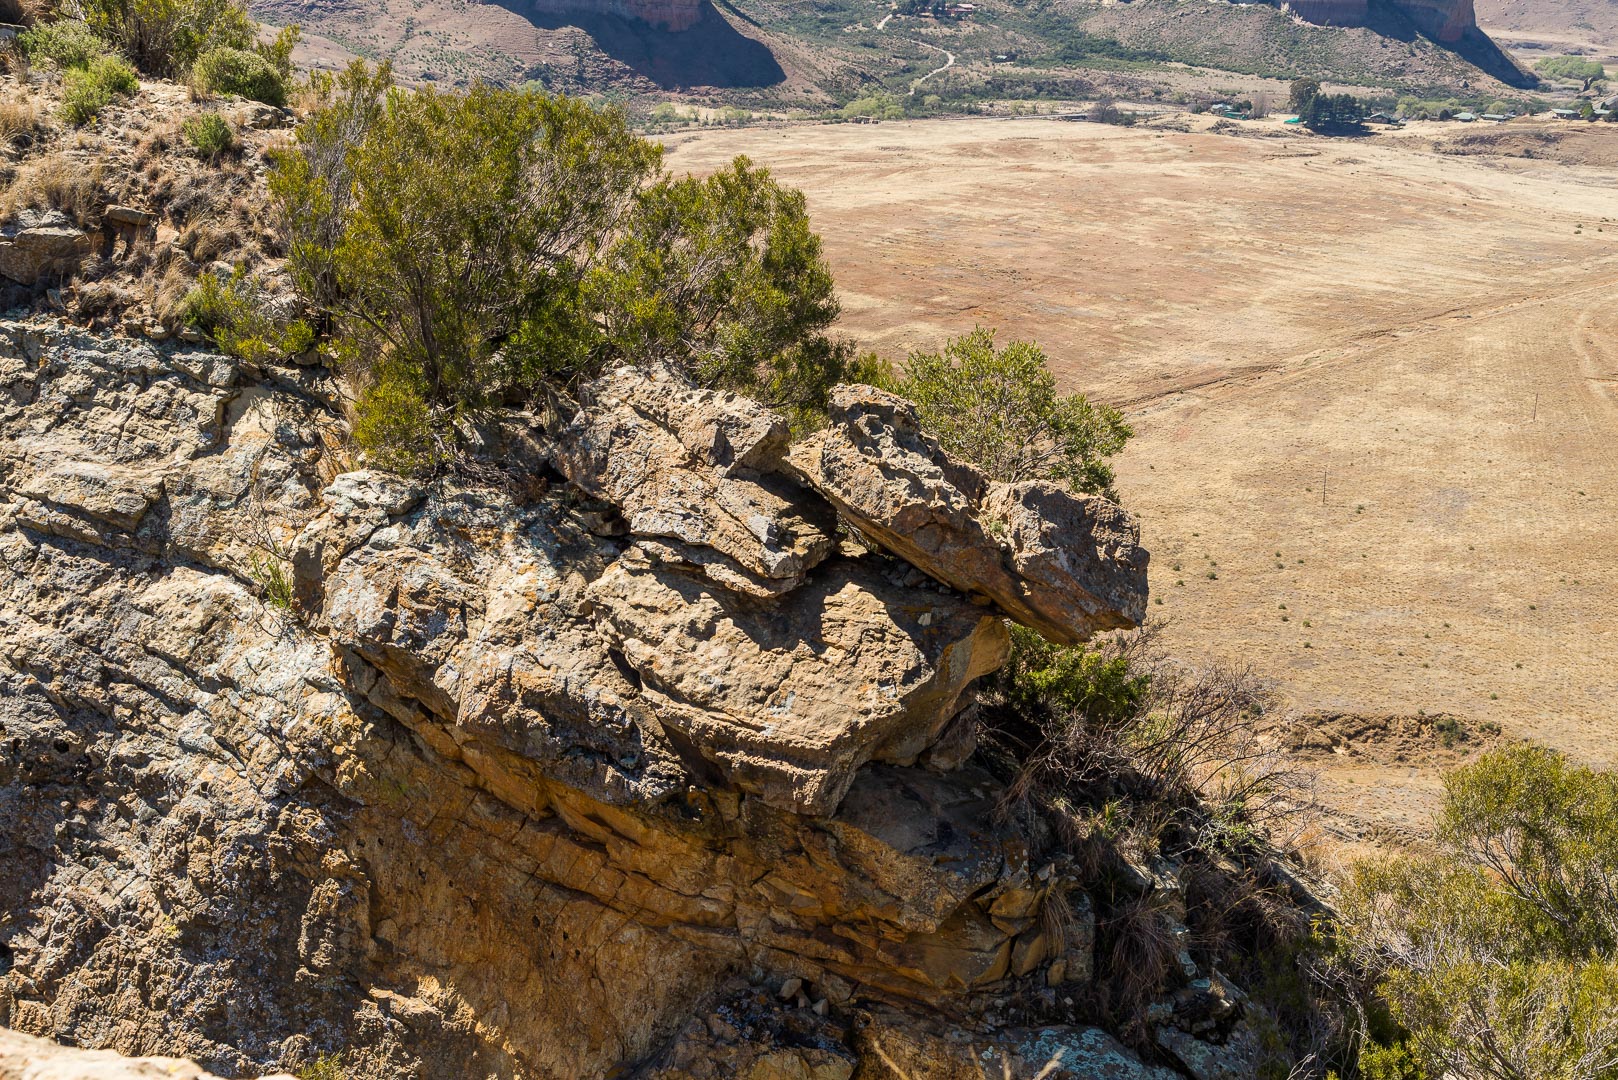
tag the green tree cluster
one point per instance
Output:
(1498, 953)
(999, 409)
(1572, 67)
(464, 249)
(1332, 112)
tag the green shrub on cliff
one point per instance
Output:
(1498, 953)
(467, 248)
(999, 409)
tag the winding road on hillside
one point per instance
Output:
(949, 62)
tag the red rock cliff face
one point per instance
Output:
(1331, 12)
(673, 15)
(1446, 20)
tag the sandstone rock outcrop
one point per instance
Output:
(1067, 565)
(470, 780)
(23, 1057)
(695, 474)
(37, 245)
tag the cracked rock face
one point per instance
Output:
(1067, 565)
(296, 758)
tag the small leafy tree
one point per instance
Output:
(466, 248)
(999, 409)
(723, 277)
(1301, 92)
(1499, 952)
(312, 184)
(460, 262)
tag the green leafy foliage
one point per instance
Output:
(233, 311)
(467, 248)
(878, 106)
(1498, 953)
(67, 43)
(312, 184)
(242, 72)
(723, 277)
(1300, 92)
(165, 37)
(1070, 681)
(1572, 67)
(88, 90)
(998, 408)
(209, 134)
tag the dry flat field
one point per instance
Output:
(1375, 390)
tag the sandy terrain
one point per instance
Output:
(1431, 336)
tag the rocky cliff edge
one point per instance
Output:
(650, 758)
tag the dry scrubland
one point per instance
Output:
(1270, 309)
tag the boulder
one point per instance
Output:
(1067, 565)
(693, 471)
(790, 699)
(40, 244)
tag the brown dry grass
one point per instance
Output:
(58, 181)
(1267, 310)
(21, 121)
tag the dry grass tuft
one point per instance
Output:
(168, 294)
(57, 182)
(21, 121)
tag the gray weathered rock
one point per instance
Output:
(1067, 565)
(38, 245)
(696, 469)
(791, 699)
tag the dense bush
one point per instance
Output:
(88, 90)
(1572, 67)
(243, 72)
(67, 43)
(467, 248)
(1498, 952)
(998, 408)
(234, 311)
(165, 37)
(209, 134)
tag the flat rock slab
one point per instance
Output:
(695, 469)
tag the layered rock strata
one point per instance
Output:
(468, 780)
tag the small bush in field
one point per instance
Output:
(240, 72)
(66, 43)
(209, 134)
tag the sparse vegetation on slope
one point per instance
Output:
(567, 250)
(1497, 954)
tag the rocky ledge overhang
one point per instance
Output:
(298, 754)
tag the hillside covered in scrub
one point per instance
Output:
(467, 612)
